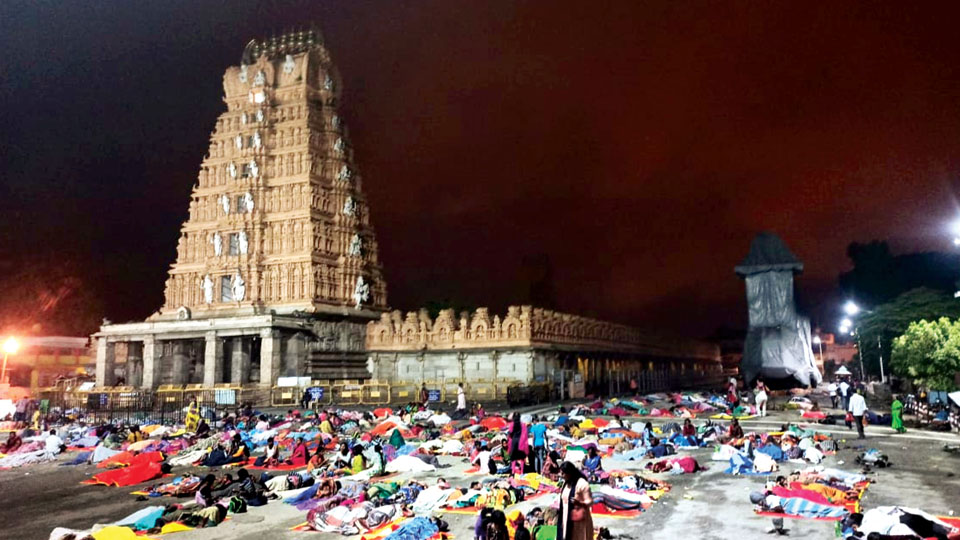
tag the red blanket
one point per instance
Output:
(128, 476)
(812, 496)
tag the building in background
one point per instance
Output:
(41, 360)
(277, 273)
(831, 355)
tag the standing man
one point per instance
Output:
(461, 402)
(857, 408)
(832, 389)
(844, 388)
(539, 433)
(424, 395)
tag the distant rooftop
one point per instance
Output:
(294, 42)
(768, 253)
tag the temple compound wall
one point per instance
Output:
(529, 345)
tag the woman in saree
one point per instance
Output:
(896, 411)
(576, 522)
(193, 416)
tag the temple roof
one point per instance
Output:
(293, 42)
(768, 253)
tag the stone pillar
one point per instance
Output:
(134, 371)
(295, 356)
(181, 361)
(105, 374)
(269, 356)
(212, 360)
(239, 361)
(151, 363)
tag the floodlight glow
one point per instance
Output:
(846, 323)
(816, 340)
(851, 308)
(11, 346)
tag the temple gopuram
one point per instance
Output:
(277, 274)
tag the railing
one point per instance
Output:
(168, 403)
(926, 412)
(165, 405)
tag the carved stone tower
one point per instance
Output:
(278, 221)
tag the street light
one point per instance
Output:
(955, 229)
(10, 346)
(819, 343)
(851, 308)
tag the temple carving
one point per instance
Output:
(278, 205)
(521, 326)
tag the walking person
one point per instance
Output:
(761, 398)
(424, 395)
(461, 411)
(832, 389)
(539, 433)
(896, 411)
(519, 444)
(857, 408)
(576, 522)
(844, 388)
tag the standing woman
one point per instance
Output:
(519, 444)
(761, 397)
(896, 411)
(575, 521)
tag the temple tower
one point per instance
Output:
(278, 221)
(276, 272)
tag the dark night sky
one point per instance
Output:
(636, 146)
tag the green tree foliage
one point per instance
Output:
(887, 321)
(928, 353)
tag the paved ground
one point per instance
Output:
(708, 505)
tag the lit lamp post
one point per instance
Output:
(819, 343)
(846, 327)
(852, 310)
(10, 346)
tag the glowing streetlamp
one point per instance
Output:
(851, 308)
(10, 346)
(819, 343)
(955, 230)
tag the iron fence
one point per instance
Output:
(166, 407)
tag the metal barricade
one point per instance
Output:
(347, 394)
(481, 391)
(404, 393)
(284, 396)
(373, 393)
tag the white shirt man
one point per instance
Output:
(483, 461)
(832, 389)
(53, 443)
(461, 399)
(844, 389)
(858, 405)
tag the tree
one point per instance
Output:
(928, 353)
(885, 322)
